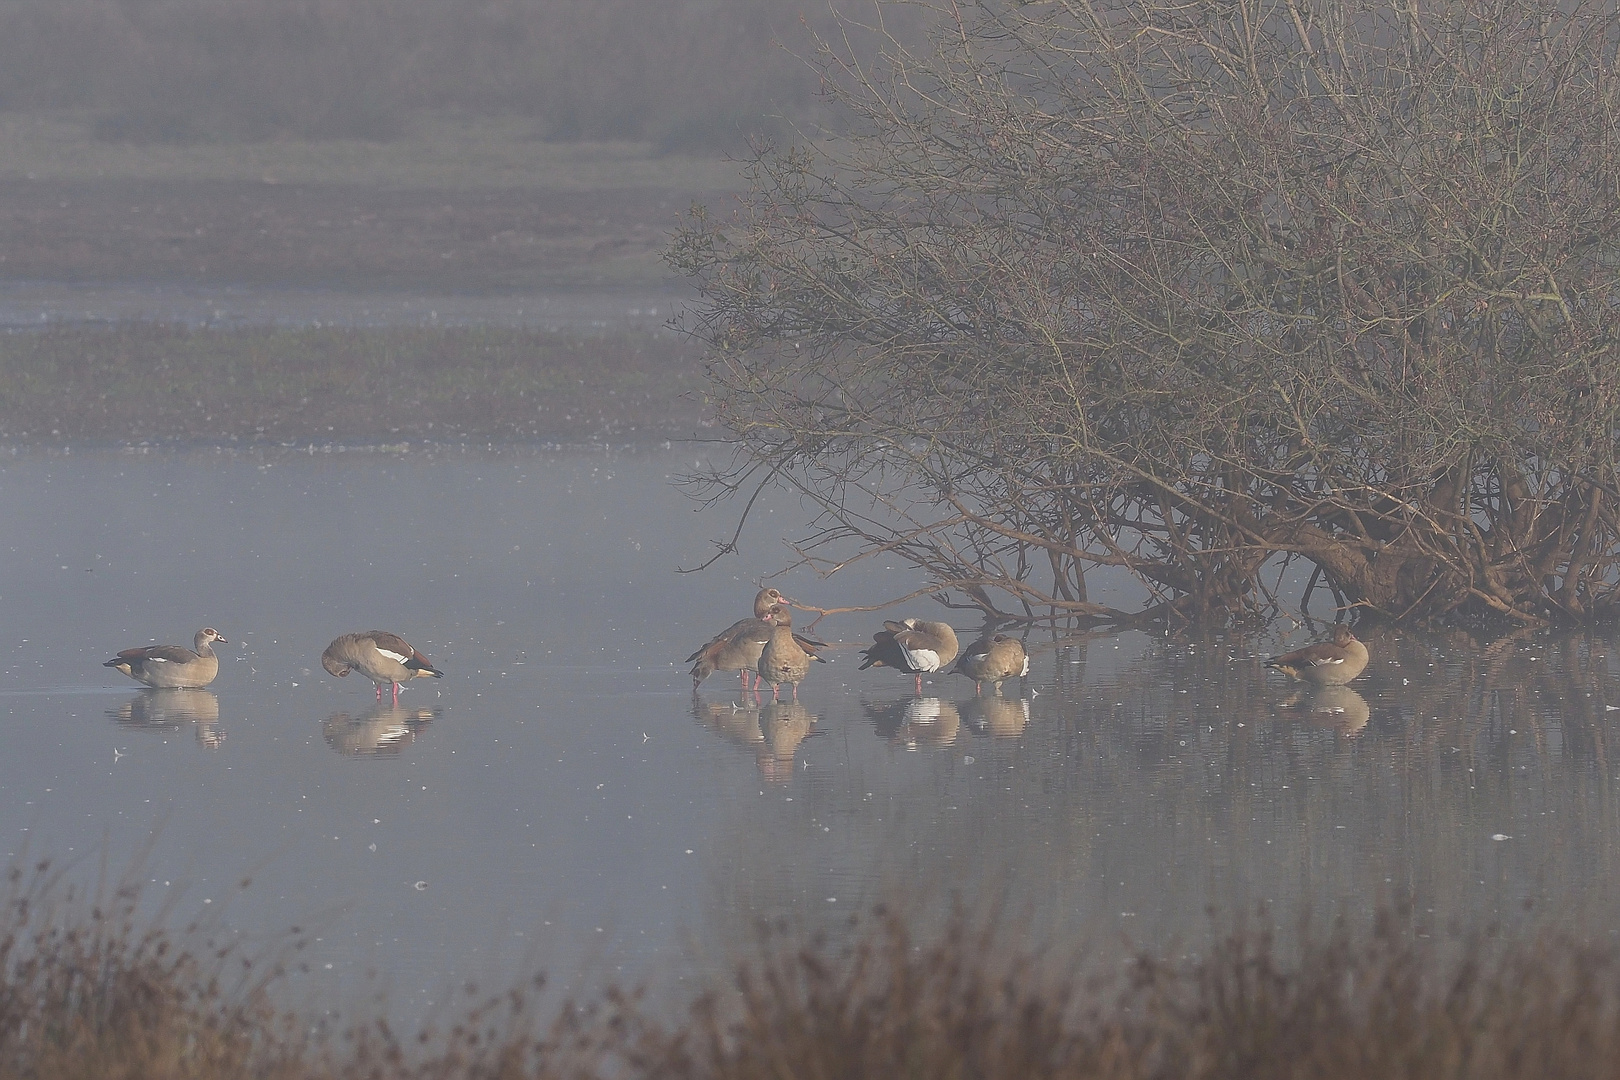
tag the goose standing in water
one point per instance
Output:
(993, 658)
(167, 666)
(913, 646)
(1327, 663)
(386, 659)
(737, 647)
(785, 658)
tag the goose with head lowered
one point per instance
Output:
(166, 666)
(993, 658)
(738, 646)
(386, 659)
(913, 646)
(1327, 663)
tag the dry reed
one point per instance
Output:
(90, 989)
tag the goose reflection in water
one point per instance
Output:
(915, 723)
(773, 730)
(1336, 707)
(998, 717)
(386, 729)
(171, 710)
(1340, 708)
(784, 725)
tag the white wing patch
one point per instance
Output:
(1327, 660)
(921, 659)
(394, 656)
(1021, 674)
(978, 657)
(157, 659)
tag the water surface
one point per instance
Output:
(563, 797)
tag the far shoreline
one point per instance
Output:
(136, 383)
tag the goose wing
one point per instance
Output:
(163, 654)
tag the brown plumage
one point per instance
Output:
(991, 659)
(737, 647)
(386, 659)
(1327, 663)
(168, 666)
(785, 658)
(913, 646)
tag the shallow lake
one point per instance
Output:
(562, 798)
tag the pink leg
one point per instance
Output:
(795, 691)
(744, 673)
(919, 684)
(379, 691)
(396, 693)
(776, 691)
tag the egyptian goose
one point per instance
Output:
(1327, 663)
(991, 659)
(737, 647)
(386, 659)
(785, 658)
(912, 645)
(167, 666)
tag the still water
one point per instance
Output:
(562, 798)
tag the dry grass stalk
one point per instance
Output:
(92, 990)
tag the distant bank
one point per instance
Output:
(464, 281)
(165, 383)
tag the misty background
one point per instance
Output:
(178, 175)
(689, 76)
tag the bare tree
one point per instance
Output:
(1186, 287)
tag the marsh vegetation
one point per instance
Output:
(1176, 291)
(90, 986)
(1193, 291)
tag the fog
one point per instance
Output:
(510, 162)
(320, 315)
(683, 74)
